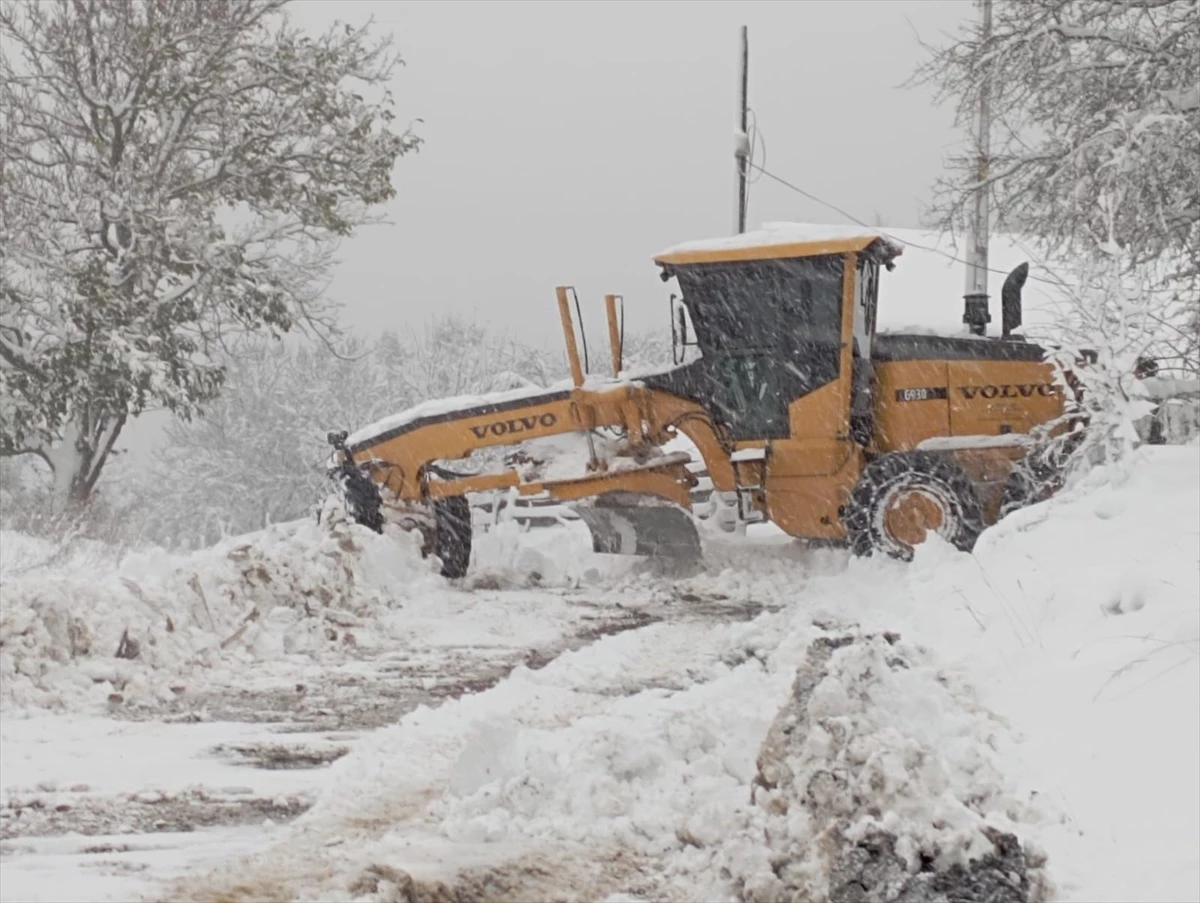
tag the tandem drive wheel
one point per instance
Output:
(900, 498)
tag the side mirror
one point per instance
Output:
(1010, 299)
(338, 439)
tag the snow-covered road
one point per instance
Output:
(105, 807)
(109, 805)
(562, 727)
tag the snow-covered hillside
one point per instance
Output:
(1045, 688)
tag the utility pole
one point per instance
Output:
(975, 296)
(741, 147)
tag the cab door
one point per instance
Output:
(862, 377)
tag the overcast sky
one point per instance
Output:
(571, 141)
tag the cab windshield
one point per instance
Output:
(769, 332)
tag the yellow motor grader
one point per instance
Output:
(803, 415)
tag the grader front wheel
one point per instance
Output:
(445, 529)
(901, 498)
(452, 534)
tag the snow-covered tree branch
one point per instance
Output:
(174, 172)
(1096, 123)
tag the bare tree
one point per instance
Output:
(258, 454)
(255, 457)
(642, 351)
(451, 356)
(174, 172)
(1096, 124)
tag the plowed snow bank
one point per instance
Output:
(80, 629)
(1044, 695)
(873, 784)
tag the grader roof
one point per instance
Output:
(777, 241)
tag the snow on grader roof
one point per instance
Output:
(779, 240)
(923, 294)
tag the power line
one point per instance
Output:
(850, 216)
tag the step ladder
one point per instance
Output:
(749, 475)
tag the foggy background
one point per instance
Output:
(570, 142)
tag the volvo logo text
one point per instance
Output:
(1014, 391)
(516, 425)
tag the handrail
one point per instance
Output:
(564, 311)
(614, 334)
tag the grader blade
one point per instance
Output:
(623, 524)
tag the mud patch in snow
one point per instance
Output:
(368, 693)
(280, 755)
(44, 815)
(574, 874)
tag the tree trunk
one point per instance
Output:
(78, 460)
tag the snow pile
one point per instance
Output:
(873, 784)
(508, 556)
(73, 631)
(700, 759)
(651, 773)
(624, 751)
(1079, 621)
(875, 751)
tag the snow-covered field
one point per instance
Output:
(312, 714)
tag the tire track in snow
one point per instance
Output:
(314, 720)
(387, 798)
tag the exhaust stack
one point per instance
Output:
(1010, 299)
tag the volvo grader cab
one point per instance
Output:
(801, 412)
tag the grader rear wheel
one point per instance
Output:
(901, 498)
(911, 514)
